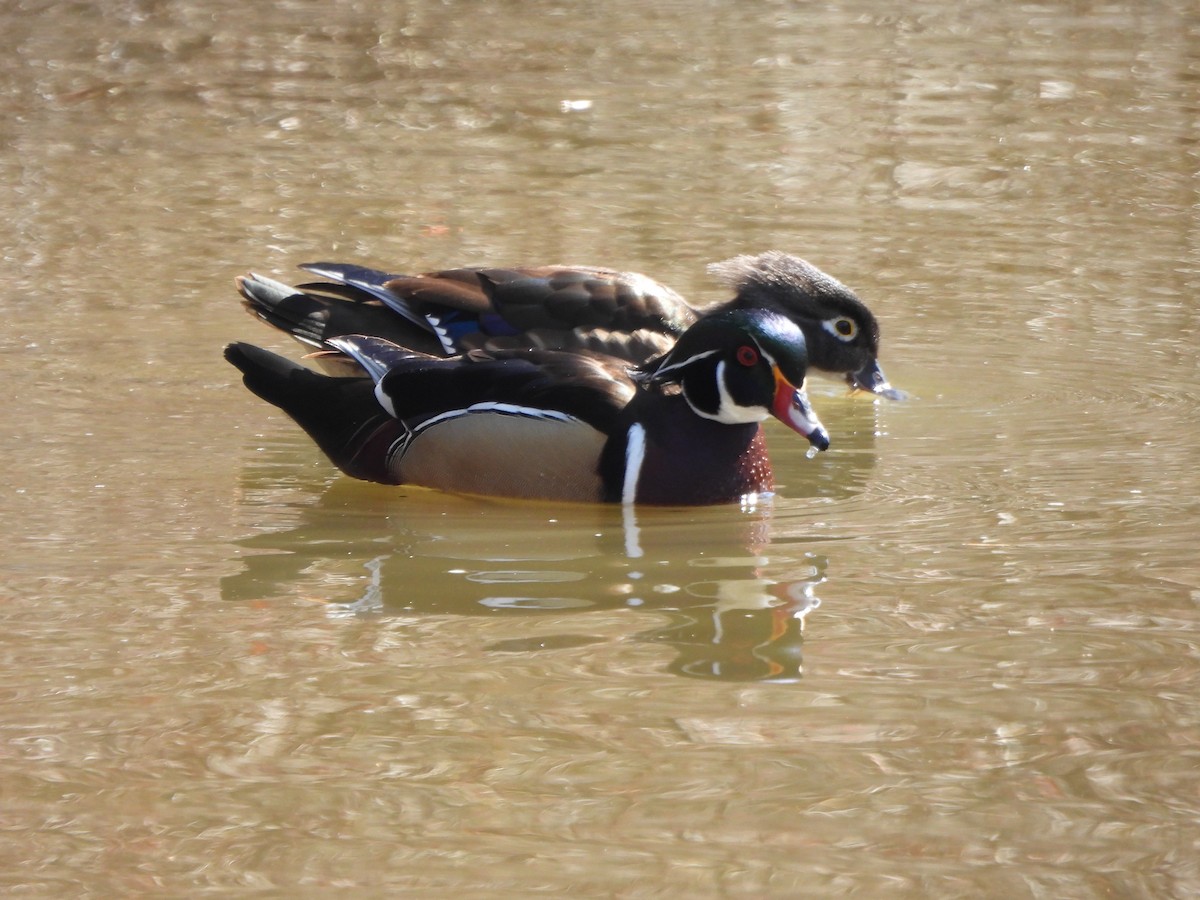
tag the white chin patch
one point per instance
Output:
(729, 412)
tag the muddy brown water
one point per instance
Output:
(957, 655)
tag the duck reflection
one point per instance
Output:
(752, 631)
(734, 605)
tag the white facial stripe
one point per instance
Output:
(685, 362)
(635, 455)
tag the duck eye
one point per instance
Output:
(747, 356)
(842, 328)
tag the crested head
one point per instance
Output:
(721, 335)
(798, 289)
(739, 367)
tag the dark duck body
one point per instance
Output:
(622, 314)
(683, 428)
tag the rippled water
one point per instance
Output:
(957, 655)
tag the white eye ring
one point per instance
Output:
(842, 328)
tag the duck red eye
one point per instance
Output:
(747, 356)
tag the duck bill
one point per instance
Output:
(791, 407)
(870, 378)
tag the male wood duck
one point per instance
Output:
(623, 314)
(681, 429)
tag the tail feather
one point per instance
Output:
(313, 317)
(372, 283)
(340, 414)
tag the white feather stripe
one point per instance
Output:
(384, 400)
(489, 406)
(492, 406)
(443, 335)
(635, 455)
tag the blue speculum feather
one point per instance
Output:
(458, 325)
(493, 324)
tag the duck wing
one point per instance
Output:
(413, 387)
(550, 307)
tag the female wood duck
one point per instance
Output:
(623, 314)
(681, 429)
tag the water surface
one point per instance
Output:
(956, 655)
